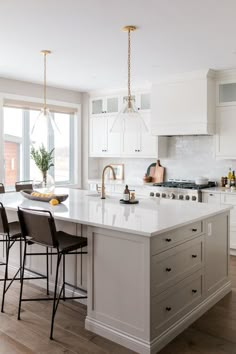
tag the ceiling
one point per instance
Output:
(90, 50)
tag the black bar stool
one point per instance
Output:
(20, 185)
(39, 225)
(11, 232)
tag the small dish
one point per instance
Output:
(135, 201)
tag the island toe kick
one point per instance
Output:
(144, 291)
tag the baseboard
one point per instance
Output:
(145, 347)
(116, 336)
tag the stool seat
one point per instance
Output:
(68, 243)
(14, 230)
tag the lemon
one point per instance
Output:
(54, 202)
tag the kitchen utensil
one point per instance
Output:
(159, 173)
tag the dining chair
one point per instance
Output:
(20, 185)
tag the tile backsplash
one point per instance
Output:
(188, 157)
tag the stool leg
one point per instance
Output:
(54, 309)
(47, 272)
(21, 280)
(64, 277)
(6, 273)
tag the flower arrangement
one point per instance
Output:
(43, 160)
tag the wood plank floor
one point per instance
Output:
(213, 333)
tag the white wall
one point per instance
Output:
(188, 157)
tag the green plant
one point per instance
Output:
(43, 159)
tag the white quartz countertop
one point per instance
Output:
(218, 190)
(121, 182)
(148, 218)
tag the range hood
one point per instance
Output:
(184, 104)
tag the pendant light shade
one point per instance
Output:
(44, 123)
(129, 119)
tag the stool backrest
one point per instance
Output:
(20, 185)
(4, 227)
(2, 188)
(39, 225)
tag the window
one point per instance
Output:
(17, 124)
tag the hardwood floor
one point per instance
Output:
(213, 333)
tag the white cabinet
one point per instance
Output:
(102, 141)
(184, 105)
(225, 132)
(143, 144)
(102, 105)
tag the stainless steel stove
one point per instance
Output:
(180, 189)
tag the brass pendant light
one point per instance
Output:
(129, 119)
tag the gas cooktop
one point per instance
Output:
(184, 185)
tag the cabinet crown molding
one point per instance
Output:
(185, 76)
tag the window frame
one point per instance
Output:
(75, 148)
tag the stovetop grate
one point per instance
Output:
(185, 185)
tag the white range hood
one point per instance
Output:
(184, 104)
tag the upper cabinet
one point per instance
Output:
(103, 143)
(184, 105)
(102, 105)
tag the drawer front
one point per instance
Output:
(167, 239)
(172, 266)
(227, 198)
(171, 305)
(213, 198)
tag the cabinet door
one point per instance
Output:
(98, 136)
(131, 144)
(97, 106)
(148, 142)
(102, 142)
(216, 248)
(113, 139)
(225, 128)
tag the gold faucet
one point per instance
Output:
(103, 178)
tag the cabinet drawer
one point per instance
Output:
(169, 306)
(213, 198)
(167, 239)
(171, 266)
(227, 198)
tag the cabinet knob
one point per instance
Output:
(168, 240)
(168, 308)
(168, 269)
(194, 291)
(194, 256)
(194, 230)
(211, 195)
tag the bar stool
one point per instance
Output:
(20, 185)
(40, 226)
(11, 232)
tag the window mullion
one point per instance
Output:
(51, 144)
(26, 145)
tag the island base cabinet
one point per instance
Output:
(143, 292)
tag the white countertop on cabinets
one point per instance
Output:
(218, 190)
(148, 218)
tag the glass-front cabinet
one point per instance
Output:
(104, 105)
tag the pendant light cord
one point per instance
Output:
(129, 66)
(44, 85)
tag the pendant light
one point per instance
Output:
(129, 119)
(44, 123)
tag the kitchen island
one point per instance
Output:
(152, 268)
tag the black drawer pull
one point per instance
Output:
(168, 240)
(211, 195)
(194, 255)
(194, 230)
(194, 291)
(168, 269)
(168, 308)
